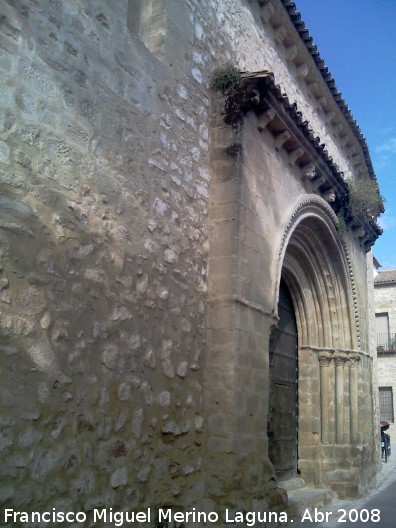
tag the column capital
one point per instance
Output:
(340, 361)
(325, 359)
(353, 361)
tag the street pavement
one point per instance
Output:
(377, 510)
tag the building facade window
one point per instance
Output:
(147, 20)
(386, 404)
(382, 330)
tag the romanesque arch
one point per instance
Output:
(314, 267)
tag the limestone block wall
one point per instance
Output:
(106, 181)
(255, 194)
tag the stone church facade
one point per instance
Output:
(184, 304)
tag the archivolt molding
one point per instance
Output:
(310, 202)
(353, 292)
(313, 206)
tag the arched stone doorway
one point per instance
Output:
(314, 270)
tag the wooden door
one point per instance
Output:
(283, 403)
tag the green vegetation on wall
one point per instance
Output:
(240, 94)
(362, 199)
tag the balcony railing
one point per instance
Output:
(386, 342)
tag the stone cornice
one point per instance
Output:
(312, 73)
(307, 40)
(295, 135)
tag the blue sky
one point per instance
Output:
(357, 41)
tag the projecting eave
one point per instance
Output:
(305, 37)
(295, 136)
(293, 41)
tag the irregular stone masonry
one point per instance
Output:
(118, 233)
(104, 261)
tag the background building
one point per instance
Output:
(385, 318)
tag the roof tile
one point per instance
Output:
(385, 277)
(305, 37)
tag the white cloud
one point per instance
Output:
(387, 222)
(388, 147)
(384, 154)
(382, 162)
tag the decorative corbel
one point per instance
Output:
(302, 70)
(338, 128)
(295, 155)
(356, 163)
(267, 11)
(329, 196)
(353, 150)
(359, 232)
(344, 140)
(281, 139)
(265, 118)
(313, 86)
(309, 171)
(330, 116)
(318, 182)
(291, 52)
(322, 101)
(364, 239)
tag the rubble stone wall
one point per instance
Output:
(105, 180)
(104, 259)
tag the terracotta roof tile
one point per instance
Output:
(299, 24)
(385, 277)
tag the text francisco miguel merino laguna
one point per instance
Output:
(119, 518)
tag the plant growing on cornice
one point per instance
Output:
(362, 200)
(225, 78)
(341, 215)
(240, 94)
(364, 197)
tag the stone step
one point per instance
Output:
(305, 498)
(292, 484)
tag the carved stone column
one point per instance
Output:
(339, 382)
(353, 395)
(324, 362)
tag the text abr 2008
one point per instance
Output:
(352, 516)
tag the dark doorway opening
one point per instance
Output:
(283, 400)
